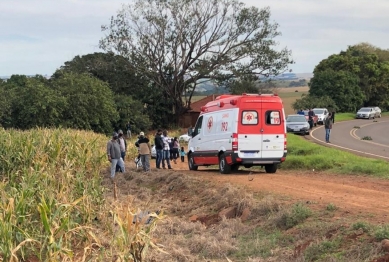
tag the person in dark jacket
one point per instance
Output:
(333, 117)
(158, 142)
(328, 127)
(311, 115)
(114, 155)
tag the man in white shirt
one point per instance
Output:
(166, 151)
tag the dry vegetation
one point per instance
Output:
(276, 229)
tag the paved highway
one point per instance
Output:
(348, 135)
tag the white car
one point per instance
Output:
(184, 138)
(377, 111)
(153, 152)
(322, 114)
(366, 112)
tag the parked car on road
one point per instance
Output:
(377, 111)
(315, 118)
(366, 112)
(297, 124)
(322, 114)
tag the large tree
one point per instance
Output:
(177, 44)
(124, 81)
(362, 63)
(341, 86)
(108, 67)
(89, 102)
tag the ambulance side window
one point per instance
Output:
(249, 118)
(197, 128)
(273, 117)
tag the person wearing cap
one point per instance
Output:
(114, 155)
(123, 144)
(144, 151)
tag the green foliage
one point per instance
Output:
(361, 225)
(341, 86)
(169, 44)
(309, 101)
(133, 111)
(243, 85)
(382, 232)
(331, 207)
(321, 250)
(293, 216)
(355, 77)
(37, 105)
(108, 67)
(124, 82)
(259, 242)
(366, 138)
(301, 82)
(89, 102)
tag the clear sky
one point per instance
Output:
(38, 36)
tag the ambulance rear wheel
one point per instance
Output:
(191, 163)
(223, 166)
(271, 168)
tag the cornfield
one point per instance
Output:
(51, 196)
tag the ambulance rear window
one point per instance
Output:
(249, 118)
(273, 118)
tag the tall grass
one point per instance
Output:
(51, 194)
(306, 155)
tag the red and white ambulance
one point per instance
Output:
(239, 130)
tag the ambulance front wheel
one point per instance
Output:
(271, 168)
(191, 163)
(223, 166)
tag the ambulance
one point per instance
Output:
(239, 130)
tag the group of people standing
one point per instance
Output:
(167, 148)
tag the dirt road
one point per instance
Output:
(364, 197)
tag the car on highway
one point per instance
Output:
(315, 118)
(366, 113)
(297, 124)
(322, 114)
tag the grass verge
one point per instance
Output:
(350, 116)
(306, 155)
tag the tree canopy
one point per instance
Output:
(356, 77)
(176, 44)
(132, 91)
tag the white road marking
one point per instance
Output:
(346, 148)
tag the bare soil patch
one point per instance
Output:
(193, 200)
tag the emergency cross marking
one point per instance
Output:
(249, 117)
(210, 123)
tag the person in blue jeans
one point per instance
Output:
(158, 142)
(328, 127)
(166, 151)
